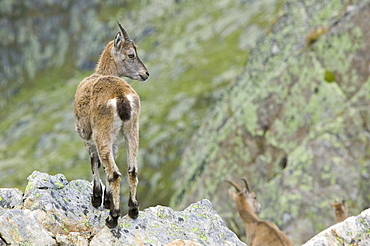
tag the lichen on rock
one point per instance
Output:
(56, 211)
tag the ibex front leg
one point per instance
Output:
(112, 189)
(132, 145)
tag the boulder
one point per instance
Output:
(56, 211)
(10, 197)
(354, 230)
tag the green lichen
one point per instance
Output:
(161, 213)
(29, 187)
(37, 195)
(60, 186)
(64, 228)
(1, 198)
(88, 225)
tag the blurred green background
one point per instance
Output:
(238, 88)
(193, 50)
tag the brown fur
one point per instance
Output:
(340, 210)
(259, 232)
(105, 107)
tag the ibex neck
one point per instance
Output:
(247, 214)
(106, 64)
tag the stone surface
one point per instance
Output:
(10, 197)
(352, 231)
(22, 227)
(56, 211)
(161, 225)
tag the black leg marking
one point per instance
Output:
(133, 209)
(108, 199)
(116, 175)
(96, 198)
(132, 173)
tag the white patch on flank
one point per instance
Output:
(132, 106)
(112, 103)
(117, 123)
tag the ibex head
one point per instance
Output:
(245, 193)
(126, 59)
(340, 210)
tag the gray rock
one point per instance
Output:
(10, 197)
(22, 227)
(352, 231)
(58, 212)
(65, 201)
(73, 238)
(197, 224)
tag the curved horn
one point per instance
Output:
(125, 34)
(247, 185)
(237, 187)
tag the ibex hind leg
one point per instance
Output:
(132, 145)
(111, 198)
(96, 197)
(112, 188)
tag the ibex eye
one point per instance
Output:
(131, 55)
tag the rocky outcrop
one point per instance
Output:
(353, 231)
(54, 211)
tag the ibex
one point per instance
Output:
(106, 106)
(340, 210)
(259, 232)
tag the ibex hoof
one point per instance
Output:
(107, 204)
(108, 198)
(96, 201)
(133, 212)
(111, 222)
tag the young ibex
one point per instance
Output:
(340, 210)
(259, 232)
(106, 106)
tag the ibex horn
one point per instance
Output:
(125, 34)
(237, 187)
(246, 184)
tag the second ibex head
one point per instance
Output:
(245, 193)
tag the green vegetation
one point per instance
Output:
(193, 50)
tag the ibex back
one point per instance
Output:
(106, 106)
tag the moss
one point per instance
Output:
(329, 76)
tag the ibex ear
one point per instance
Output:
(117, 40)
